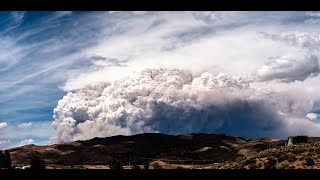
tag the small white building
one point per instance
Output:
(290, 143)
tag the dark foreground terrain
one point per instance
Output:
(195, 149)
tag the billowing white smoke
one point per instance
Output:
(173, 101)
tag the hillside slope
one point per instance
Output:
(301, 156)
(142, 148)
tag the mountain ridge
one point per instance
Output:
(144, 148)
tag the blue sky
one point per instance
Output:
(32, 43)
(45, 55)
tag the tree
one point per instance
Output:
(309, 161)
(2, 160)
(271, 163)
(146, 166)
(157, 166)
(37, 163)
(115, 164)
(135, 167)
(7, 161)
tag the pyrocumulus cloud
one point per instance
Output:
(175, 101)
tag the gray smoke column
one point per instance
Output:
(175, 101)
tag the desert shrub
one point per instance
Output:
(310, 153)
(311, 150)
(259, 165)
(135, 167)
(289, 157)
(282, 158)
(265, 154)
(146, 166)
(253, 166)
(284, 166)
(277, 155)
(157, 166)
(179, 167)
(115, 164)
(309, 161)
(297, 151)
(270, 164)
(262, 148)
(249, 161)
(62, 162)
(37, 163)
(292, 158)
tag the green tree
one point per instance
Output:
(37, 163)
(270, 164)
(157, 166)
(309, 161)
(146, 166)
(115, 164)
(135, 167)
(7, 161)
(2, 160)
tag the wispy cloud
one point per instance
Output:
(313, 13)
(25, 142)
(25, 125)
(18, 16)
(7, 144)
(3, 125)
(4, 144)
(312, 116)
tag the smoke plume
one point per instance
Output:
(175, 101)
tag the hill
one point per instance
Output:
(145, 148)
(301, 156)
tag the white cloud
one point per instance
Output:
(313, 21)
(313, 13)
(4, 144)
(25, 125)
(63, 13)
(139, 12)
(18, 15)
(3, 125)
(7, 144)
(215, 17)
(25, 142)
(41, 130)
(312, 116)
(288, 68)
(133, 12)
(306, 40)
(175, 43)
